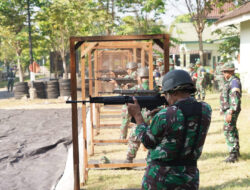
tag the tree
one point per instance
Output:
(12, 19)
(230, 44)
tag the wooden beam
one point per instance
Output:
(74, 116)
(122, 165)
(166, 52)
(89, 48)
(159, 43)
(117, 38)
(111, 141)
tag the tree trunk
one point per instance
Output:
(30, 39)
(20, 69)
(201, 48)
(65, 75)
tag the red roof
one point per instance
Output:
(244, 9)
(219, 12)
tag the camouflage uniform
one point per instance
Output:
(168, 147)
(134, 142)
(219, 78)
(200, 83)
(11, 79)
(230, 102)
(125, 116)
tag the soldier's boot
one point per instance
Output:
(231, 158)
(238, 153)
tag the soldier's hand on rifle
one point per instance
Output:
(135, 111)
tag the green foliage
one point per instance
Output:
(185, 18)
(230, 44)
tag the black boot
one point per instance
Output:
(231, 158)
(238, 153)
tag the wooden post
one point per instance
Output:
(74, 116)
(166, 52)
(150, 64)
(142, 57)
(97, 110)
(134, 55)
(85, 153)
(91, 106)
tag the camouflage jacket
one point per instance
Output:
(163, 136)
(218, 73)
(200, 75)
(143, 86)
(133, 75)
(230, 98)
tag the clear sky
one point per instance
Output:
(174, 8)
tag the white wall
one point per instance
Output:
(244, 67)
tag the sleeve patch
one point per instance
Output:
(235, 84)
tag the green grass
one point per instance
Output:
(214, 173)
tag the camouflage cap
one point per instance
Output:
(228, 67)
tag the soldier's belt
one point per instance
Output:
(175, 162)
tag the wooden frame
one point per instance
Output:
(75, 43)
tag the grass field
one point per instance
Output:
(214, 173)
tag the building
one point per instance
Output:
(240, 16)
(188, 50)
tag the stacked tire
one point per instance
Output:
(40, 89)
(52, 89)
(64, 86)
(21, 90)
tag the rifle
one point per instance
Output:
(119, 81)
(137, 92)
(148, 102)
(116, 72)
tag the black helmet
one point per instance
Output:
(131, 65)
(176, 78)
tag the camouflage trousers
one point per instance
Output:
(126, 118)
(133, 141)
(200, 90)
(231, 133)
(171, 178)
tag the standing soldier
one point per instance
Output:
(193, 73)
(11, 79)
(175, 137)
(230, 102)
(200, 83)
(160, 66)
(132, 73)
(134, 142)
(219, 78)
